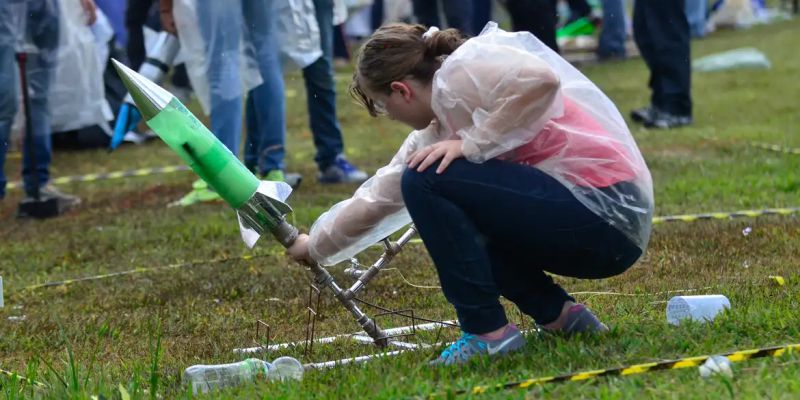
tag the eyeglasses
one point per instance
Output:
(379, 106)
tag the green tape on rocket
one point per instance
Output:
(204, 153)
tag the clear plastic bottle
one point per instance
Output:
(203, 378)
(287, 368)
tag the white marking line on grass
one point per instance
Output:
(354, 360)
(363, 359)
(359, 337)
(395, 343)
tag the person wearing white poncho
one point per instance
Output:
(518, 165)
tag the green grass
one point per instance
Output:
(139, 332)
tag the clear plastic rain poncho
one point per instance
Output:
(508, 96)
(299, 32)
(77, 92)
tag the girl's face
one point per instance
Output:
(408, 102)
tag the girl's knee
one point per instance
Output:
(411, 180)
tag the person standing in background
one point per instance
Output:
(40, 19)
(223, 26)
(661, 31)
(613, 34)
(327, 134)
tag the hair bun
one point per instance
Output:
(440, 43)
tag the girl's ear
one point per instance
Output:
(402, 88)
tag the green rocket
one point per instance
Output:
(259, 205)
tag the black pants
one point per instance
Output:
(138, 14)
(457, 12)
(537, 17)
(494, 229)
(661, 32)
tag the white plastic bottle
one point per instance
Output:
(287, 368)
(203, 378)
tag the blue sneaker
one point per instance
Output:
(341, 171)
(470, 345)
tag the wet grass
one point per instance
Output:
(133, 335)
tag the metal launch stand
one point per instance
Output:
(347, 297)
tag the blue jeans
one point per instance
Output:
(613, 34)
(223, 27)
(493, 229)
(696, 15)
(267, 150)
(42, 25)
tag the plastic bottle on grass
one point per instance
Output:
(203, 378)
(288, 368)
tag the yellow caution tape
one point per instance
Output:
(726, 215)
(139, 270)
(20, 377)
(109, 175)
(776, 148)
(688, 362)
(712, 215)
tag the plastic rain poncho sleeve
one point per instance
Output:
(375, 211)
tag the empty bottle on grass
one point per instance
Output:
(203, 378)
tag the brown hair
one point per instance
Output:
(398, 51)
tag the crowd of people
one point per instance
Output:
(234, 58)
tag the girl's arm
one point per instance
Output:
(375, 211)
(495, 97)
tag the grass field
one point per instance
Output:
(140, 331)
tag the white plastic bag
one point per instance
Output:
(339, 12)
(744, 58)
(735, 14)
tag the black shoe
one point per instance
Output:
(50, 203)
(665, 120)
(642, 115)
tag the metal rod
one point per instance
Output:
(391, 250)
(323, 278)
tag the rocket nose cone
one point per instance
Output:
(149, 98)
(125, 73)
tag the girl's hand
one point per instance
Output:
(90, 11)
(447, 150)
(299, 250)
(167, 17)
